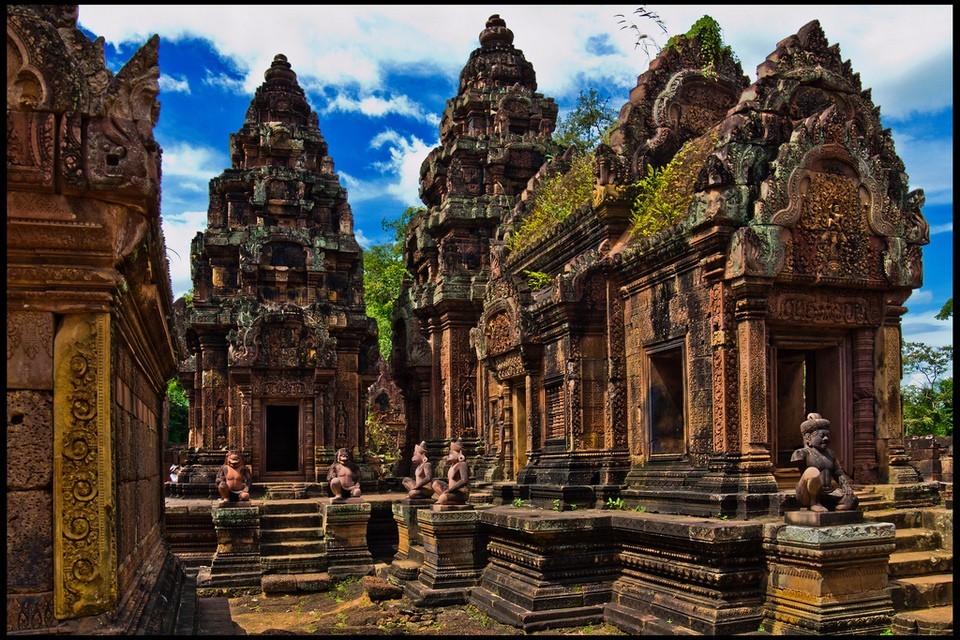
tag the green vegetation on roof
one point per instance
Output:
(558, 197)
(663, 195)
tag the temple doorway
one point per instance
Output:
(809, 378)
(281, 444)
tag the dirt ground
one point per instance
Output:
(347, 610)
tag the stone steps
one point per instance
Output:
(937, 621)
(272, 536)
(276, 521)
(286, 507)
(920, 570)
(917, 539)
(297, 563)
(922, 592)
(902, 518)
(291, 537)
(293, 547)
(910, 564)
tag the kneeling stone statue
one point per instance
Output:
(820, 469)
(420, 485)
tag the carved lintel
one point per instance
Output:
(84, 544)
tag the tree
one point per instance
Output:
(588, 124)
(179, 425)
(946, 312)
(383, 272)
(928, 402)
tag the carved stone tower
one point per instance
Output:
(282, 349)
(493, 137)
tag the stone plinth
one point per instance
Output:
(345, 530)
(235, 567)
(807, 518)
(546, 569)
(828, 580)
(454, 554)
(703, 574)
(409, 557)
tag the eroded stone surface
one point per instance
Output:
(29, 439)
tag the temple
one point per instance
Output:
(736, 257)
(281, 349)
(494, 135)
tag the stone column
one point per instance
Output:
(235, 567)
(409, 557)
(345, 530)
(454, 556)
(894, 463)
(828, 580)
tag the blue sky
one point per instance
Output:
(379, 78)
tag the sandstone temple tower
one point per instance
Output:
(282, 349)
(494, 135)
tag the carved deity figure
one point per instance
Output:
(455, 489)
(233, 479)
(820, 468)
(420, 485)
(344, 477)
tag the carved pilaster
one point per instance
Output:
(84, 543)
(616, 413)
(726, 408)
(864, 448)
(753, 363)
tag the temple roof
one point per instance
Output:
(280, 98)
(497, 63)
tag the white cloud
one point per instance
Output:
(941, 228)
(929, 164)
(925, 327)
(376, 107)
(231, 85)
(176, 85)
(178, 231)
(406, 156)
(362, 239)
(903, 53)
(192, 165)
(921, 296)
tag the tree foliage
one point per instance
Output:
(179, 425)
(588, 124)
(928, 402)
(946, 312)
(383, 272)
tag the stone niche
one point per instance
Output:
(88, 294)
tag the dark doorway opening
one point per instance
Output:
(282, 444)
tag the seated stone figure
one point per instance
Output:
(344, 477)
(233, 479)
(820, 468)
(420, 485)
(455, 489)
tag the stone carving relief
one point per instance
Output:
(83, 482)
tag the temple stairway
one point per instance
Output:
(291, 537)
(921, 567)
